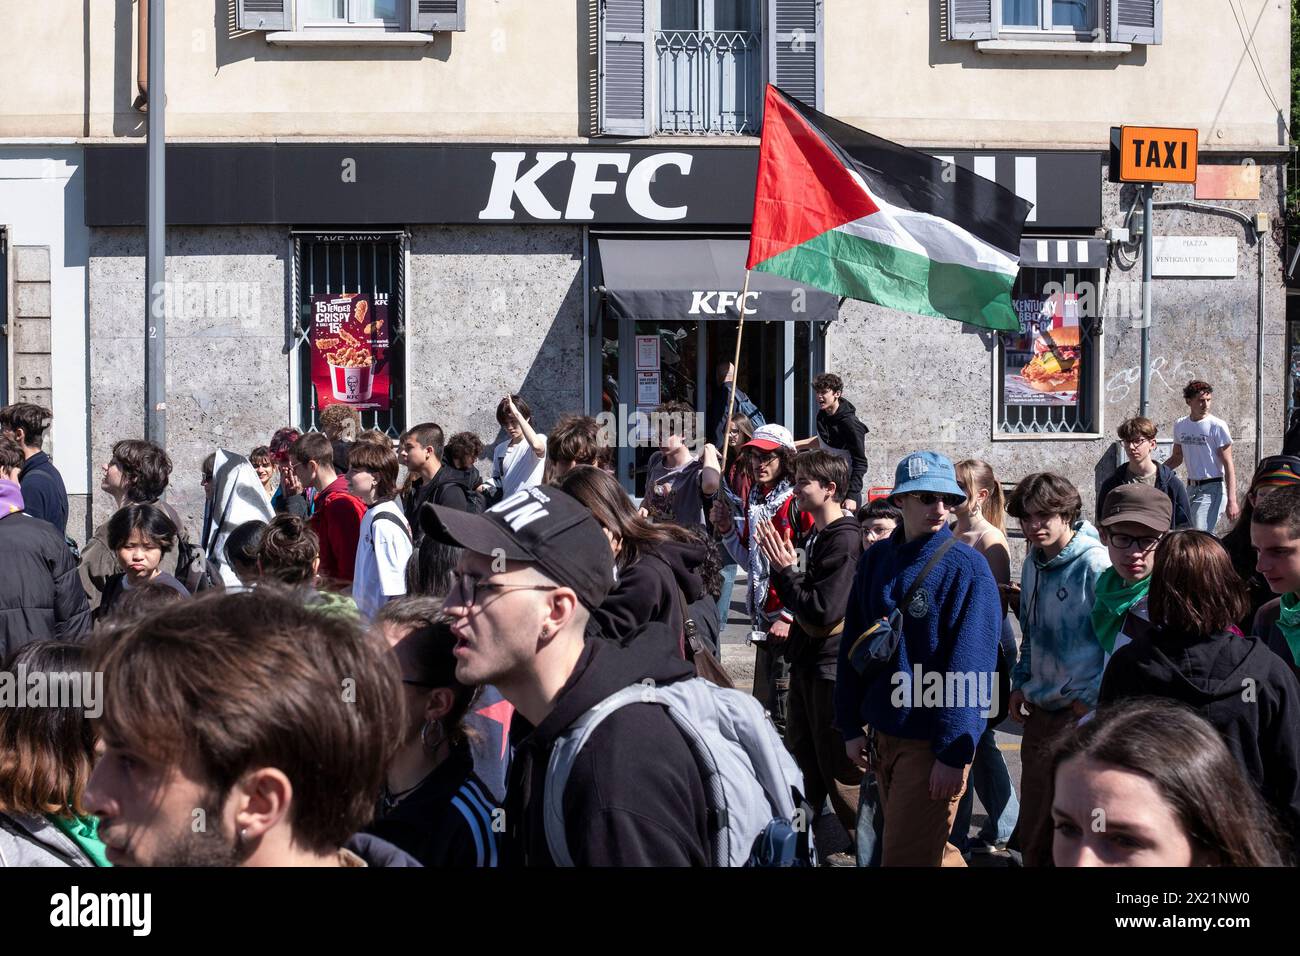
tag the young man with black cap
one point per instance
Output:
(533, 568)
(951, 620)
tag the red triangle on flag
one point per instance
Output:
(804, 189)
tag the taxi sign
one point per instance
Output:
(1157, 154)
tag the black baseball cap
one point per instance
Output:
(541, 526)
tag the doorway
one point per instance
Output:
(778, 361)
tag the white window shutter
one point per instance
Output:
(1136, 21)
(437, 15)
(794, 48)
(970, 19)
(625, 49)
(264, 14)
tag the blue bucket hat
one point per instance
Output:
(926, 471)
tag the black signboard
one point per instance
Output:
(605, 185)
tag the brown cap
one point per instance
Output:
(1138, 503)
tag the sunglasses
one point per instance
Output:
(928, 498)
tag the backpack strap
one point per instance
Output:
(564, 754)
(925, 573)
(389, 516)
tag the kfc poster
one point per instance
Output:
(349, 350)
(1041, 363)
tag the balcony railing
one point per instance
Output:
(709, 81)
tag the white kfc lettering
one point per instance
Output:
(638, 186)
(586, 185)
(507, 184)
(510, 183)
(702, 302)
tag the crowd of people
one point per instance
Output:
(373, 653)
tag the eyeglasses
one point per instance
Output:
(1126, 541)
(928, 498)
(462, 584)
(1137, 442)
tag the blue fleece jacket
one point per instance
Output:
(957, 635)
(1060, 658)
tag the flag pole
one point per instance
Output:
(735, 374)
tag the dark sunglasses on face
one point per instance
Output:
(928, 498)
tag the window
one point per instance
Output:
(378, 21)
(1008, 24)
(370, 264)
(1046, 378)
(336, 13)
(709, 64)
(1069, 16)
(699, 66)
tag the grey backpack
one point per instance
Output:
(757, 814)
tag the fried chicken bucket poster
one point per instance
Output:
(1041, 364)
(349, 350)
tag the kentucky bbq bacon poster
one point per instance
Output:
(1041, 364)
(349, 350)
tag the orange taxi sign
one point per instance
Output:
(1157, 154)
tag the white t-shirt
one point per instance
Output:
(1201, 442)
(383, 549)
(516, 466)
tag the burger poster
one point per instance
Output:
(349, 350)
(1041, 364)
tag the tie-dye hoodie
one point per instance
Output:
(1060, 658)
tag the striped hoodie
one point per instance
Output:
(450, 819)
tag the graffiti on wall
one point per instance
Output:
(1123, 383)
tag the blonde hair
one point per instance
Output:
(975, 475)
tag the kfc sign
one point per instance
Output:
(592, 175)
(717, 303)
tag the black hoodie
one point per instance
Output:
(818, 595)
(652, 589)
(1237, 684)
(844, 430)
(635, 796)
(448, 487)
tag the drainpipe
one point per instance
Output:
(141, 101)
(1252, 229)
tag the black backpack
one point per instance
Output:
(475, 503)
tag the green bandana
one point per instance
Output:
(1288, 622)
(84, 831)
(1114, 598)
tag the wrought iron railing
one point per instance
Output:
(709, 81)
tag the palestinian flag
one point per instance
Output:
(859, 216)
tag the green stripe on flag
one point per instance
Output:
(859, 268)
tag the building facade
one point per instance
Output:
(553, 198)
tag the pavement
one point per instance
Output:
(738, 659)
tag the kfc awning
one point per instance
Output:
(699, 280)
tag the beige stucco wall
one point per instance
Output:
(888, 72)
(523, 69)
(514, 72)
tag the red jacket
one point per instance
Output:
(337, 522)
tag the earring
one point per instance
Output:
(424, 736)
